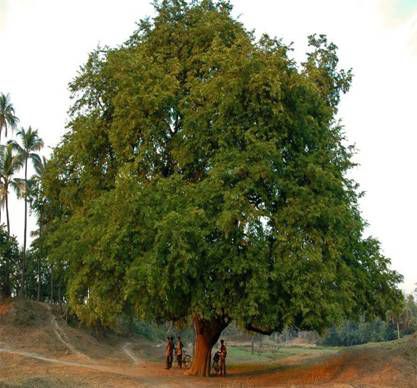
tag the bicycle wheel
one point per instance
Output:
(186, 362)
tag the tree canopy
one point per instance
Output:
(204, 176)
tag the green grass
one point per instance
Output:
(244, 353)
(392, 345)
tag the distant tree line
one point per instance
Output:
(396, 325)
(24, 270)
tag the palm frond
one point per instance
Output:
(3, 194)
(20, 186)
(29, 143)
(39, 164)
(8, 117)
(16, 146)
(35, 158)
(12, 162)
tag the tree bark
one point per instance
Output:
(7, 210)
(5, 291)
(38, 294)
(6, 287)
(39, 258)
(207, 333)
(52, 285)
(59, 295)
(25, 227)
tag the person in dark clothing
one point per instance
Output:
(169, 350)
(172, 351)
(178, 351)
(223, 354)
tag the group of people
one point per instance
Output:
(219, 359)
(172, 349)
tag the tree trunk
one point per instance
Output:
(38, 296)
(52, 285)
(207, 334)
(6, 189)
(7, 210)
(25, 227)
(398, 330)
(6, 287)
(5, 291)
(59, 296)
(39, 258)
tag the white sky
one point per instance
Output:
(43, 43)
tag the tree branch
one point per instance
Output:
(250, 327)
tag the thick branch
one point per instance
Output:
(255, 329)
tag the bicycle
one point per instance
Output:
(186, 360)
(216, 363)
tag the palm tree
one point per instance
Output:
(30, 143)
(8, 118)
(10, 164)
(37, 204)
(33, 184)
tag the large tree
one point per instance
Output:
(204, 179)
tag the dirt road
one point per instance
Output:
(361, 367)
(49, 353)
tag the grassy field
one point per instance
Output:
(239, 354)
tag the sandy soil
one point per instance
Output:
(45, 352)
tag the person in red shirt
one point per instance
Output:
(178, 352)
(169, 350)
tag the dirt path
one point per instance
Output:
(146, 375)
(62, 337)
(100, 368)
(130, 354)
(351, 368)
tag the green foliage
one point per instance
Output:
(26, 149)
(9, 263)
(355, 333)
(203, 174)
(10, 164)
(151, 332)
(13, 157)
(38, 270)
(157, 333)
